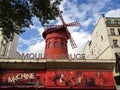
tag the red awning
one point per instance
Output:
(58, 87)
(96, 88)
(21, 87)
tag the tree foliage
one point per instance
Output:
(16, 14)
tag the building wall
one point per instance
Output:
(87, 50)
(114, 37)
(102, 46)
(8, 49)
(13, 53)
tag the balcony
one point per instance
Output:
(115, 23)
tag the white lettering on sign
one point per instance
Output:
(21, 76)
(31, 55)
(38, 56)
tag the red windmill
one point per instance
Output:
(56, 37)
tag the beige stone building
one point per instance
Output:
(8, 49)
(105, 39)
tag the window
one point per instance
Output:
(90, 43)
(101, 38)
(62, 45)
(46, 46)
(108, 22)
(92, 52)
(116, 22)
(50, 45)
(4, 47)
(56, 44)
(112, 31)
(119, 31)
(115, 43)
(3, 50)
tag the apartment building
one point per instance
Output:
(105, 39)
(8, 49)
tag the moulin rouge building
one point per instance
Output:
(56, 70)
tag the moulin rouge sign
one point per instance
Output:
(38, 56)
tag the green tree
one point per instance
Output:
(16, 14)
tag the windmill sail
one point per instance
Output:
(54, 27)
(73, 44)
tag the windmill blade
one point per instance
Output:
(61, 18)
(74, 24)
(72, 42)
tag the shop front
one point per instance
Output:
(62, 74)
(56, 79)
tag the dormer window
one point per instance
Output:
(62, 45)
(108, 22)
(50, 45)
(56, 44)
(101, 38)
(119, 31)
(112, 31)
(115, 43)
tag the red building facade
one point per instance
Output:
(56, 79)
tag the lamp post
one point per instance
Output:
(117, 68)
(37, 82)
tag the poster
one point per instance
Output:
(57, 78)
(22, 77)
(79, 79)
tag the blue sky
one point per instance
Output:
(87, 12)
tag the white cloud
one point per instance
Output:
(29, 42)
(40, 30)
(86, 22)
(32, 27)
(37, 47)
(24, 44)
(62, 5)
(72, 11)
(113, 13)
(24, 41)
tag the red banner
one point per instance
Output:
(77, 78)
(57, 78)
(21, 77)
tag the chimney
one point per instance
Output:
(102, 15)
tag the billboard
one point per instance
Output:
(79, 79)
(57, 78)
(22, 77)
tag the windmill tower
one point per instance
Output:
(56, 37)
